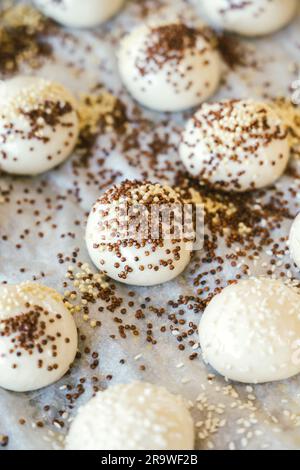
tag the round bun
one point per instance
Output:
(38, 125)
(250, 331)
(169, 67)
(38, 337)
(79, 13)
(132, 253)
(250, 18)
(138, 416)
(294, 241)
(235, 145)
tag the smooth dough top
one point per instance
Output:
(250, 332)
(138, 416)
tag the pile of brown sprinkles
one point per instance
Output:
(169, 43)
(28, 334)
(23, 38)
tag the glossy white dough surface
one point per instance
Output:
(250, 332)
(138, 416)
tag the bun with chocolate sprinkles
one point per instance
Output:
(138, 416)
(38, 337)
(78, 13)
(235, 145)
(38, 125)
(250, 331)
(128, 240)
(251, 17)
(170, 67)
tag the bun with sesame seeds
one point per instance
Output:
(138, 416)
(250, 332)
